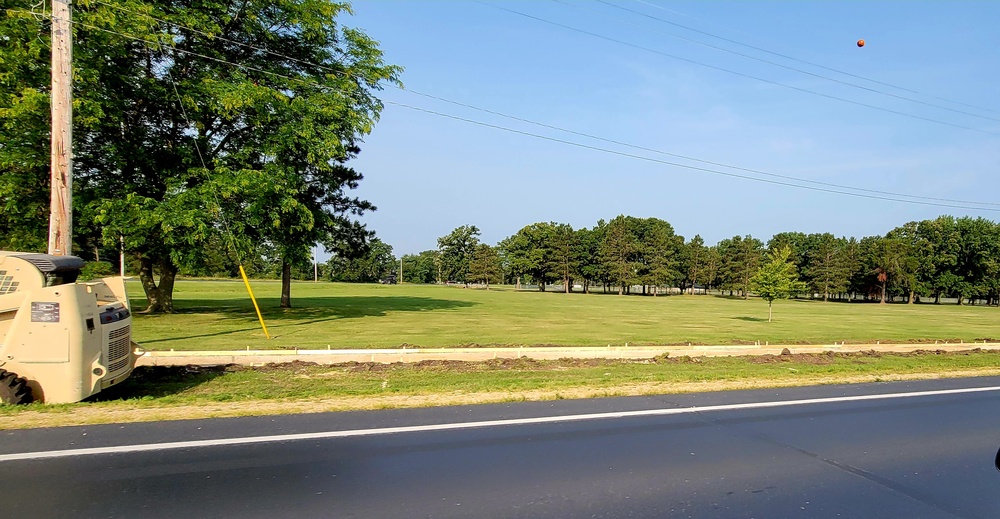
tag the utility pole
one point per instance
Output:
(61, 208)
(400, 270)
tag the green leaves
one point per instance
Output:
(274, 98)
(456, 250)
(777, 278)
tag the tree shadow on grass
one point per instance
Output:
(751, 319)
(732, 297)
(158, 382)
(304, 311)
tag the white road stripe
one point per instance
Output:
(121, 449)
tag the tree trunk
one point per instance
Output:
(769, 303)
(882, 302)
(621, 289)
(912, 297)
(160, 295)
(286, 284)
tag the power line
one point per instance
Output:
(269, 52)
(890, 196)
(733, 72)
(773, 63)
(694, 159)
(234, 42)
(557, 128)
(679, 165)
(792, 58)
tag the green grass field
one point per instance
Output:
(218, 315)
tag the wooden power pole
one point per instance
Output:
(61, 209)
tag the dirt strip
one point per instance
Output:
(262, 357)
(125, 413)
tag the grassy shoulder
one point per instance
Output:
(160, 393)
(218, 315)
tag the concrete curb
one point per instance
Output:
(385, 356)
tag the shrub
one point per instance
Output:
(96, 269)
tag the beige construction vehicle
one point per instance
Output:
(60, 340)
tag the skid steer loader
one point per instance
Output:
(60, 340)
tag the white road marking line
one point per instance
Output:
(121, 449)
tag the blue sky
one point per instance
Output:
(429, 174)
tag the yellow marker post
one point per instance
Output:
(254, 299)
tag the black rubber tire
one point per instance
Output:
(14, 390)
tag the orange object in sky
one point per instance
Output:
(861, 43)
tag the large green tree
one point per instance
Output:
(484, 266)
(563, 253)
(888, 260)
(274, 97)
(740, 257)
(455, 252)
(529, 253)
(828, 264)
(659, 252)
(420, 268)
(371, 267)
(619, 252)
(589, 266)
(692, 262)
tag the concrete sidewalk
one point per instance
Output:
(262, 357)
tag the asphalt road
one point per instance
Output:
(924, 456)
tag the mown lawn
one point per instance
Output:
(218, 315)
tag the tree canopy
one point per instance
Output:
(194, 120)
(777, 278)
(456, 250)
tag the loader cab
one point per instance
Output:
(57, 270)
(49, 270)
(61, 278)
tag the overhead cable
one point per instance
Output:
(889, 196)
(557, 128)
(792, 58)
(781, 65)
(733, 72)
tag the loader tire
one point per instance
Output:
(14, 390)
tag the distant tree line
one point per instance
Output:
(946, 257)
